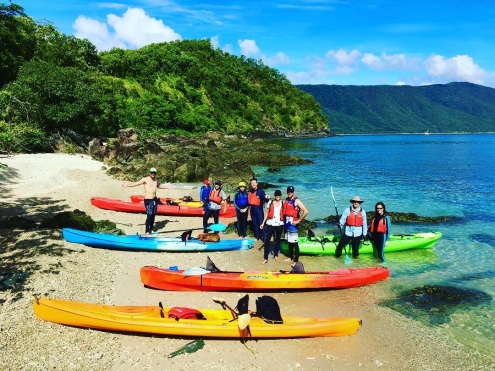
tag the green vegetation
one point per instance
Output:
(454, 107)
(51, 83)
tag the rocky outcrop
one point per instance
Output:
(188, 160)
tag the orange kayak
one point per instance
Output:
(165, 209)
(154, 320)
(204, 280)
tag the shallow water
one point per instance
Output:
(429, 175)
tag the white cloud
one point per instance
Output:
(388, 62)
(249, 48)
(458, 68)
(133, 30)
(341, 56)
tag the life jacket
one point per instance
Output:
(290, 209)
(253, 198)
(271, 211)
(215, 196)
(241, 199)
(355, 220)
(382, 225)
(178, 313)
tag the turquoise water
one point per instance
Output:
(429, 175)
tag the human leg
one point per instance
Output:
(278, 236)
(356, 241)
(269, 232)
(379, 243)
(206, 217)
(342, 243)
(257, 219)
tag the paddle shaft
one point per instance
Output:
(336, 210)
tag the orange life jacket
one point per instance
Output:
(271, 211)
(288, 208)
(253, 198)
(355, 220)
(215, 196)
(382, 225)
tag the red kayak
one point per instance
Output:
(200, 279)
(172, 209)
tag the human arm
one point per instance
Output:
(389, 231)
(264, 219)
(365, 225)
(139, 182)
(304, 210)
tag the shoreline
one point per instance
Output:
(42, 185)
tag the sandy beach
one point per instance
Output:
(40, 185)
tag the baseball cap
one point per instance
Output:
(206, 181)
(278, 193)
(290, 189)
(242, 184)
(152, 170)
(219, 182)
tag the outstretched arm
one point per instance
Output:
(139, 182)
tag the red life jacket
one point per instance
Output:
(253, 198)
(355, 220)
(288, 208)
(382, 226)
(215, 196)
(271, 211)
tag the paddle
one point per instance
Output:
(195, 271)
(311, 234)
(224, 305)
(347, 259)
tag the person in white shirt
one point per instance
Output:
(275, 225)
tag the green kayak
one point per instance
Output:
(325, 245)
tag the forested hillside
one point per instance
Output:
(449, 108)
(51, 82)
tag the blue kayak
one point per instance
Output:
(151, 242)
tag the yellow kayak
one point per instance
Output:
(154, 320)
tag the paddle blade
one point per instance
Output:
(218, 300)
(347, 259)
(244, 320)
(217, 227)
(195, 271)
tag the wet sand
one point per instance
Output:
(37, 186)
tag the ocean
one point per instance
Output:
(430, 175)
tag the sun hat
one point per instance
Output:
(206, 181)
(278, 192)
(152, 170)
(242, 184)
(219, 182)
(290, 189)
(356, 199)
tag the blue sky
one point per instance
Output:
(365, 42)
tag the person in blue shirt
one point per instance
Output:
(204, 193)
(256, 200)
(354, 224)
(242, 207)
(380, 230)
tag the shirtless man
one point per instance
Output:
(150, 200)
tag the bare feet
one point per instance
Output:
(264, 262)
(288, 260)
(276, 258)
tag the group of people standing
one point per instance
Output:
(354, 228)
(281, 215)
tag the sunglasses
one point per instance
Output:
(152, 173)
